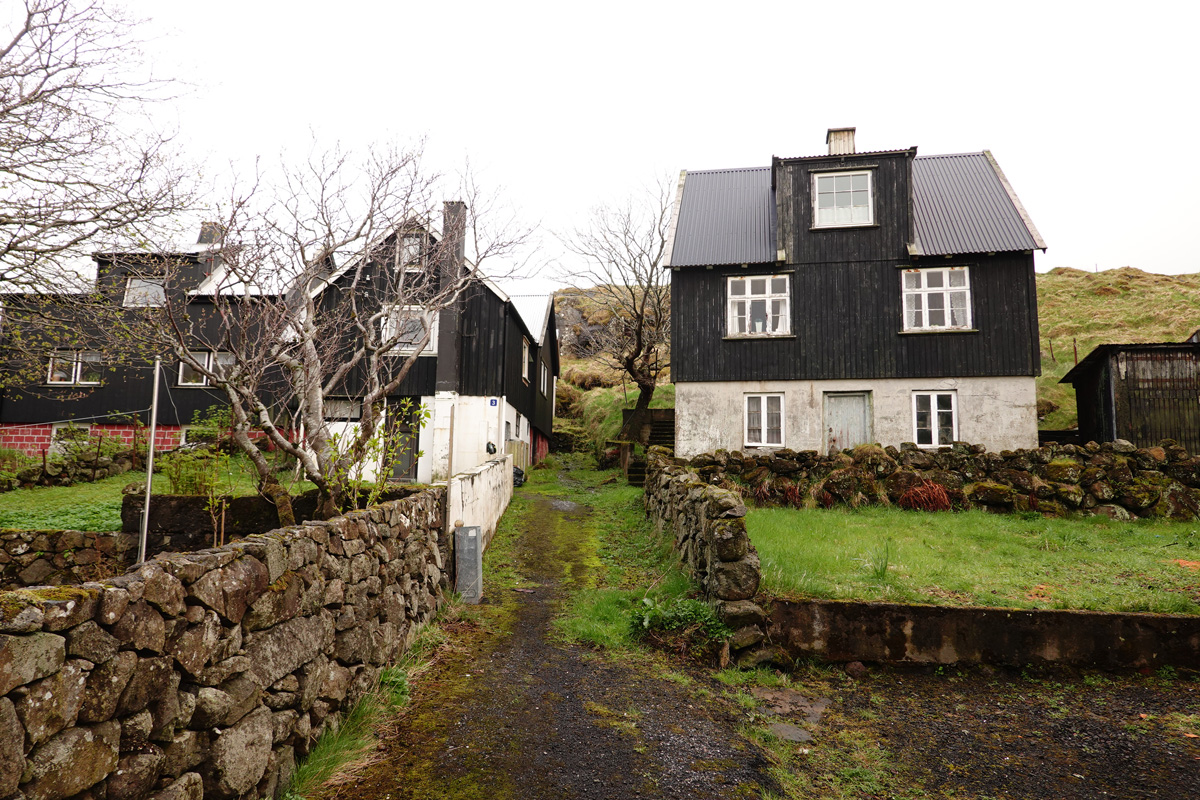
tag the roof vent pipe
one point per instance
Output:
(840, 141)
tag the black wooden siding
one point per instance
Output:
(885, 240)
(1153, 398)
(547, 356)
(846, 324)
(483, 344)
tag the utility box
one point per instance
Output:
(468, 562)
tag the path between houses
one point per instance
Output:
(516, 715)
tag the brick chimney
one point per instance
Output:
(840, 141)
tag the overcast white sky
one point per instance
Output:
(1090, 108)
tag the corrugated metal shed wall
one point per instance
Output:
(961, 206)
(726, 217)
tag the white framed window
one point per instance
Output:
(843, 198)
(545, 380)
(524, 370)
(936, 298)
(213, 361)
(64, 434)
(405, 326)
(759, 305)
(74, 368)
(764, 420)
(145, 293)
(935, 418)
(410, 250)
(343, 410)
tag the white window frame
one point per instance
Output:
(818, 177)
(56, 446)
(915, 300)
(764, 430)
(210, 358)
(410, 244)
(742, 317)
(545, 379)
(934, 427)
(76, 359)
(524, 366)
(409, 313)
(151, 293)
(343, 409)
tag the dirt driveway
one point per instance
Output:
(515, 715)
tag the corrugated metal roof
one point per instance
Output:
(726, 216)
(962, 204)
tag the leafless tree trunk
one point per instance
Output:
(73, 165)
(623, 249)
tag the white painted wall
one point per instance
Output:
(1000, 413)
(478, 496)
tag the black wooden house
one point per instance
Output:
(826, 301)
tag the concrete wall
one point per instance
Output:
(469, 422)
(479, 496)
(207, 674)
(888, 632)
(999, 413)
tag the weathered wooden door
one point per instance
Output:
(847, 420)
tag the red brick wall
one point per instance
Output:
(33, 439)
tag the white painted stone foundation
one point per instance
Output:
(999, 413)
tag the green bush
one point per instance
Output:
(192, 472)
(678, 615)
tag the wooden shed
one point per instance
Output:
(1139, 392)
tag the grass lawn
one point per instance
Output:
(97, 506)
(981, 559)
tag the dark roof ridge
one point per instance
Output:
(951, 155)
(724, 169)
(825, 156)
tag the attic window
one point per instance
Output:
(145, 293)
(842, 199)
(410, 251)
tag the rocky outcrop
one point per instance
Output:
(207, 674)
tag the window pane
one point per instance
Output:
(862, 214)
(778, 285)
(754, 419)
(825, 201)
(945, 427)
(934, 279)
(825, 184)
(89, 367)
(860, 199)
(774, 420)
(945, 402)
(913, 315)
(958, 277)
(143, 292)
(825, 216)
(739, 316)
(778, 313)
(758, 286)
(841, 215)
(62, 368)
(189, 376)
(842, 183)
(912, 280)
(937, 318)
(758, 316)
(923, 403)
(737, 287)
(859, 182)
(841, 199)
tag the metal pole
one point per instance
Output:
(149, 463)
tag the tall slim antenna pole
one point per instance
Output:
(149, 463)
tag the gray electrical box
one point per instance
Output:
(468, 562)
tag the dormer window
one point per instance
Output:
(145, 293)
(842, 199)
(410, 251)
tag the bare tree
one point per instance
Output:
(623, 249)
(328, 286)
(73, 166)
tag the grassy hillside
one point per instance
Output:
(1085, 309)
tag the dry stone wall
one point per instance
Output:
(1115, 478)
(208, 674)
(709, 528)
(40, 558)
